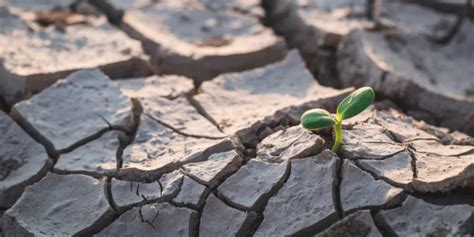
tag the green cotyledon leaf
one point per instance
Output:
(317, 118)
(355, 103)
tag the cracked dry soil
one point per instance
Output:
(155, 141)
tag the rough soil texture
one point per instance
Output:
(23, 161)
(91, 104)
(33, 60)
(234, 101)
(397, 55)
(78, 199)
(201, 40)
(171, 155)
(408, 68)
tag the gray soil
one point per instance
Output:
(182, 119)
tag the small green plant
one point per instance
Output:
(351, 106)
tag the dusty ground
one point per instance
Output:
(181, 118)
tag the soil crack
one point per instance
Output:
(336, 190)
(184, 133)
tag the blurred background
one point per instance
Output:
(106, 106)
(417, 53)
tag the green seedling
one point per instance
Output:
(351, 106)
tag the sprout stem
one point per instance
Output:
(338, 140)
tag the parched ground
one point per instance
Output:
(181, 118)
